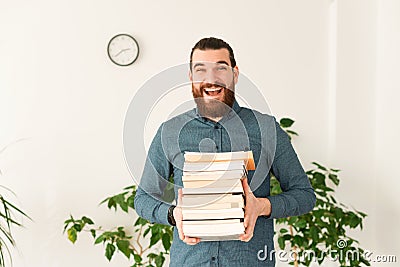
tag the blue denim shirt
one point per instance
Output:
(241, 129)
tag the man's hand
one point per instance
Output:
(254, 207)
(178, 219)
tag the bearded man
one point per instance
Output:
(219, 124)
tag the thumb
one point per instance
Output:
(246, 187)
(179, 197)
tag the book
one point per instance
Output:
(219, 204)
(200, 201)
(212, 184)
(247, 156)
(223, 237)
(213, 175)
(199, 214)
(213, 222)
(214, 166)
(215, 206)
(212, 190)
(218, 229)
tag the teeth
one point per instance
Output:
(212, 89)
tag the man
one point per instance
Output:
(219, 124)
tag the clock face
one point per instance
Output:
(123, 49)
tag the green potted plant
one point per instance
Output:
(9, 217)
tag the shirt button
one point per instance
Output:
(213, 258)
(216, 127)
(216, 147)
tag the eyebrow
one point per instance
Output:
(218, 62)
(223, 62)
(198, 64)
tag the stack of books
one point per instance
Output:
(213, 201)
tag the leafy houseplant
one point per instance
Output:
(8, 218)
(323, 230)
(118, 238)
(318, 230)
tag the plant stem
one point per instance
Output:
(138, 241)
(296, 263)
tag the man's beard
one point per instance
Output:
(213, 108)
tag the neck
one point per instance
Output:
(214, 119)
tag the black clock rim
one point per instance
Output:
(108, 49)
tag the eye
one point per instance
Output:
(200, 70)
(222, 68)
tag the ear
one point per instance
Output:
(190, 75)
(236, 74)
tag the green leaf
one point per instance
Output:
(166, 241)
(318, 179)
(121, 232)
(283, 230)
(281, 242)
(334, 179)
(291, 220)
(292, 132)
(93, 232)
(77, 227)
(286, 122)
(362, 214)
(301, 223)
(110, 249)
(141, 221)
(124, 206)
(137, 258)
(146, 232)
(131, 201)
(154, 239)
(314, 233)
(319, 166)
(123, 246)
(72, 234)
(100, 239)
(354, 221)
(111, 203)
(338, 212)
(87, 220)
(160, 260)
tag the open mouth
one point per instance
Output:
(213, 91)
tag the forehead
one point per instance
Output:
(211, 55)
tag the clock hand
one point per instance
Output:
(123, 50)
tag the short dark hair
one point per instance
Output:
(212, 43)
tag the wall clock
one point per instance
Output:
(123, 49)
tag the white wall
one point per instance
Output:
(59, 90)
(387, 144)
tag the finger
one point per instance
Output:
(179, 197)
(249, 225)
(246, 219)
(249, 231)
(245, 184)
(246, 237)
(246, 187)
(180, 230)
(191, 240)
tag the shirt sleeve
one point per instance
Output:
(297, 195)
(149, 202)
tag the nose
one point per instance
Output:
(210, 76)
